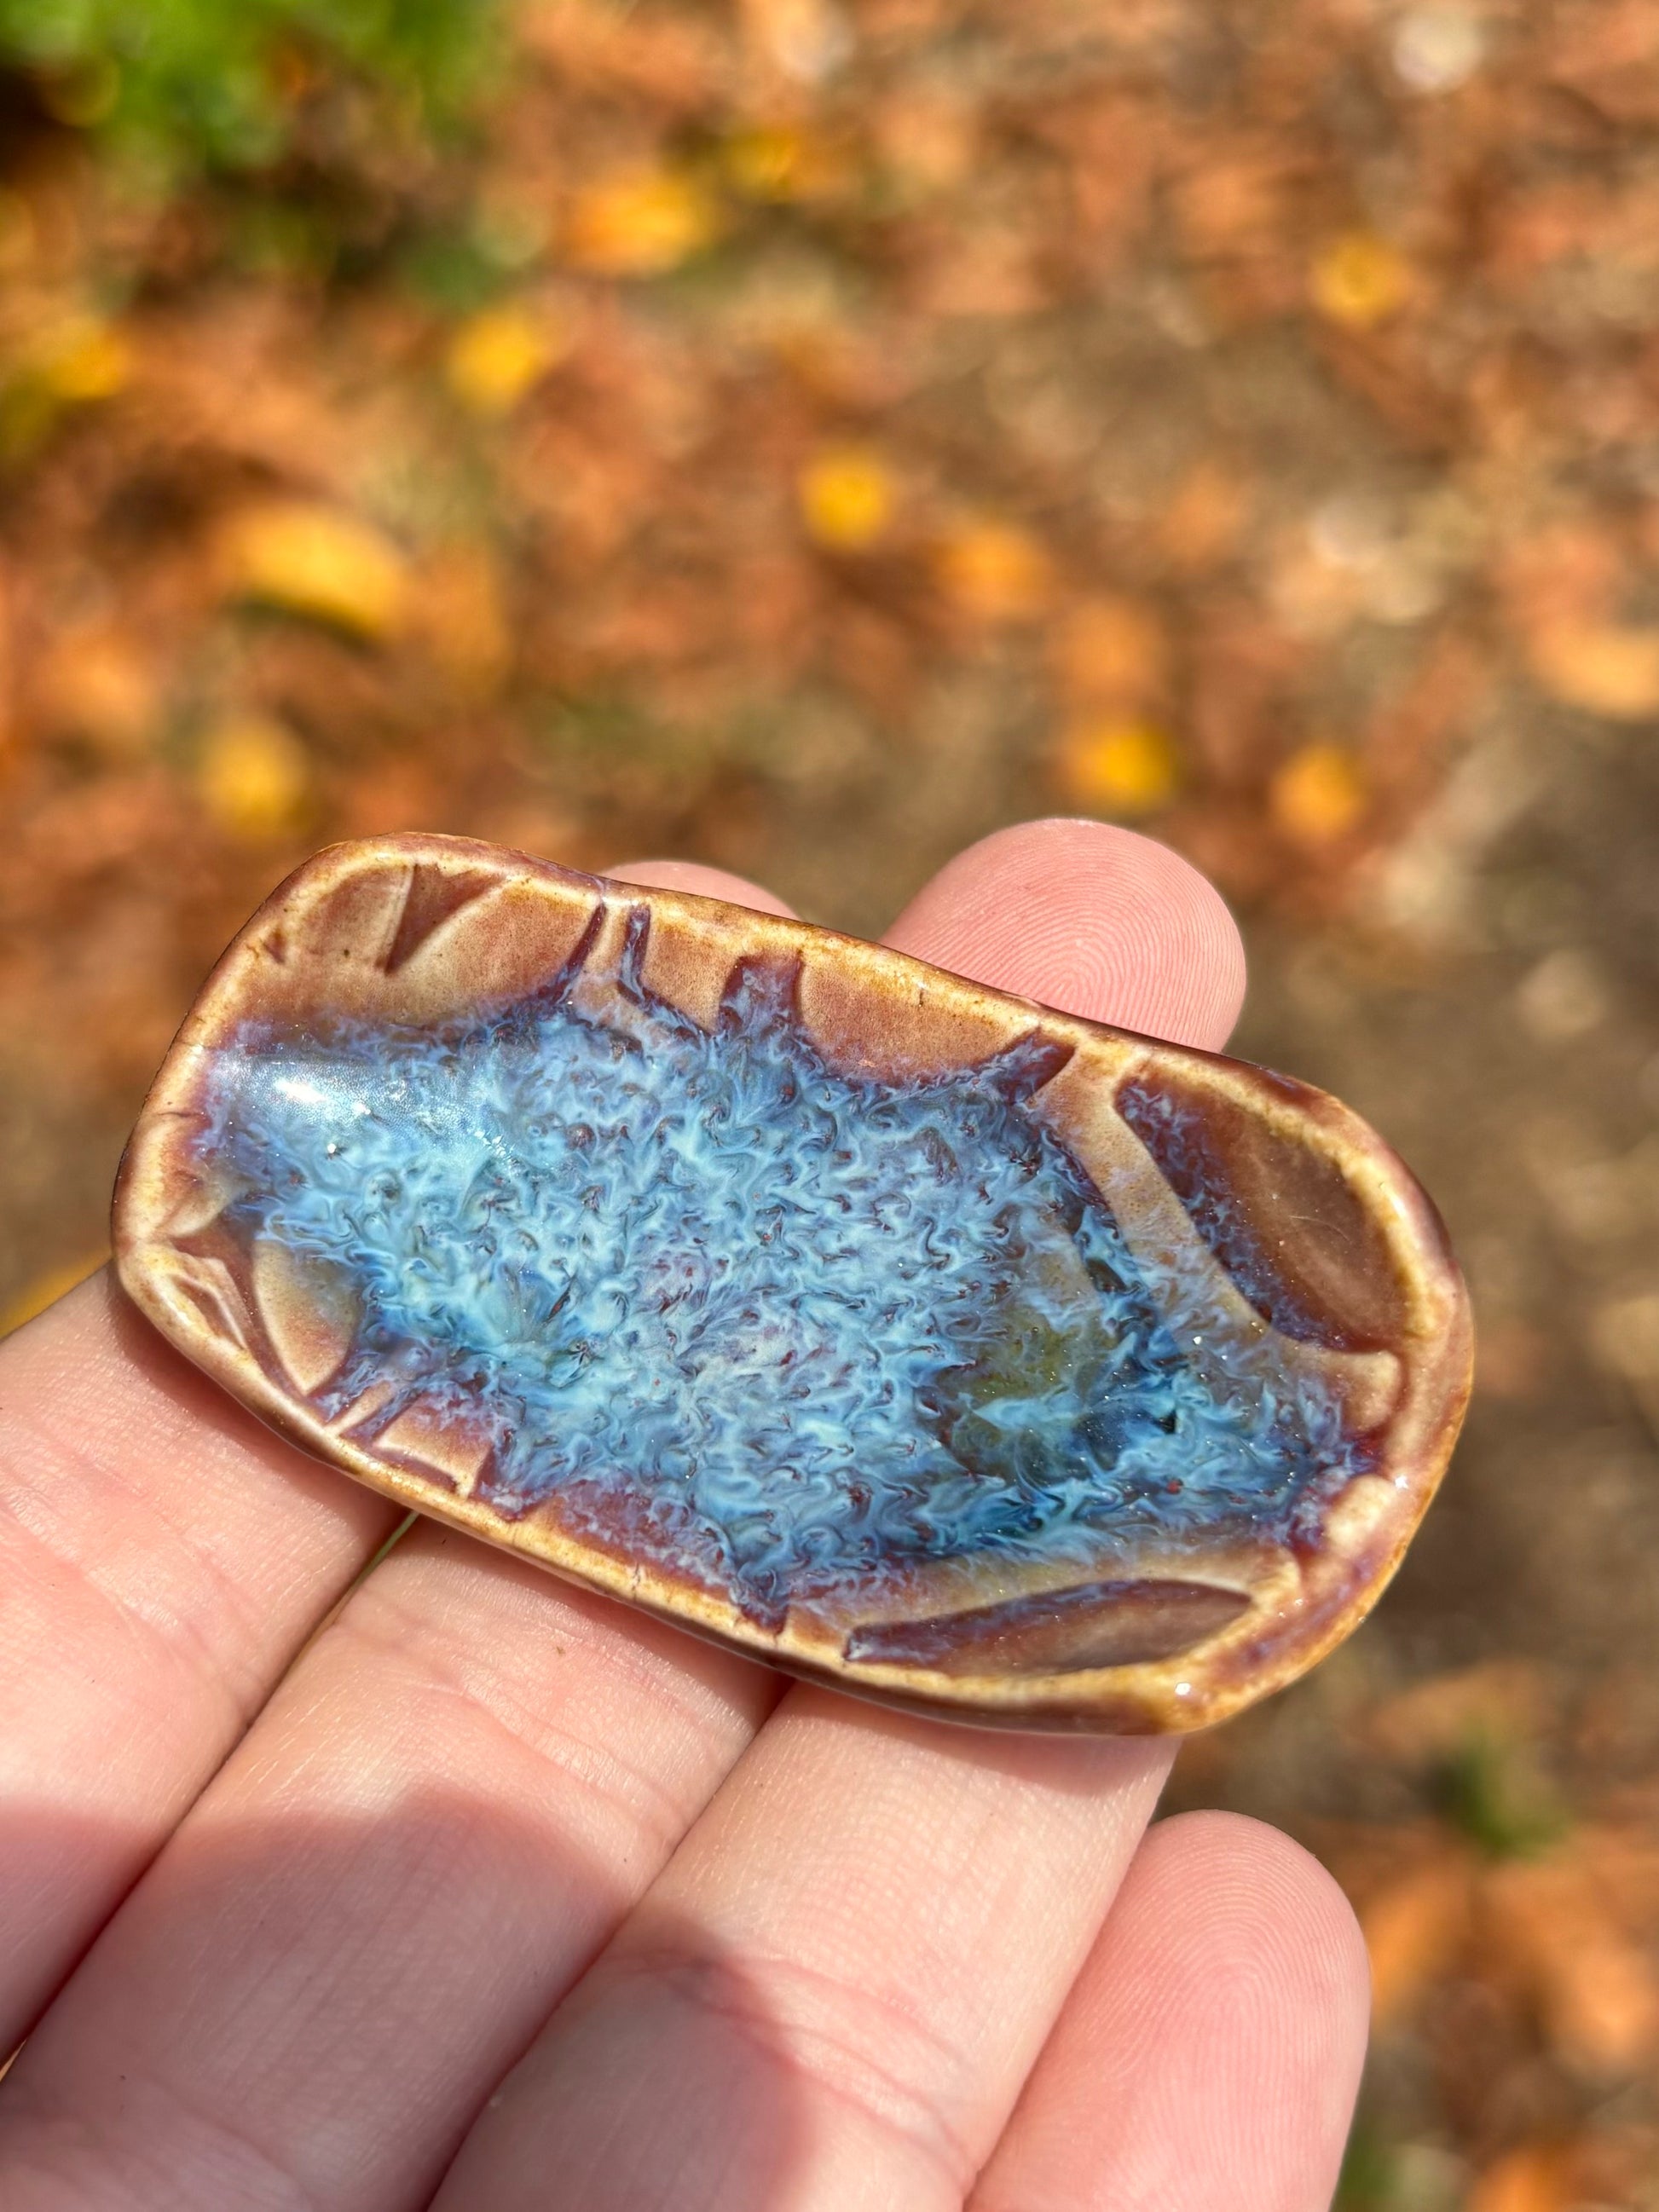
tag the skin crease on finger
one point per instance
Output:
(162, 1557)
(1061, 895)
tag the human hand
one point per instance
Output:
(497, 1896)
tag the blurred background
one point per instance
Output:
(804, 435)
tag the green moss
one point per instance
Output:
(211, 85)
(1487, 1789)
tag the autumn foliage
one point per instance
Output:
(804, 434)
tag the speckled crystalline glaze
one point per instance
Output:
(898, 1330)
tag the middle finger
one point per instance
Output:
(833, 1995)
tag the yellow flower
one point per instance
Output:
(1318, 795)
(498, 355)
(318, 561)
(847, 498)
(1360, 279)
(252, 777)
(641, 224)
(1118, 767)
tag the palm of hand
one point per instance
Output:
(501, 1898)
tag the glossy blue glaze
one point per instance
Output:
(803, 1325)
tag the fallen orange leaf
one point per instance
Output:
(1318, 795)
(501, 353)
(1117, 767)
(1595, 1987)
(1358, 280)
(1234, 198)
(641, 224)
(83, 360)
(1535, 2179)
(1503, 1699)
(846, 497)
(95, 681)
(781, 163)
(1609, 669)
(463, 616)
(316, 561)
(1205, 517)
(1112, 650)
(993, 571)
(1413, 1930)
(253, 776)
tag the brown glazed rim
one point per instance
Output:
(881, 1012)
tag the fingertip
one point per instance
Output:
(1089, 917)
(1210, 2051)
(1258, 1957)
(1273, 1898)
(703, 881)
